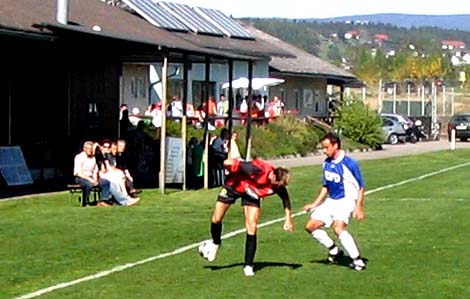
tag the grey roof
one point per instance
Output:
(255, 47)
(115, 22)
(301, 62)
(35, 17)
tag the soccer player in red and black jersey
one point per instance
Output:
(250, 181)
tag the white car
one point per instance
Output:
(393, 130)
(404, 120)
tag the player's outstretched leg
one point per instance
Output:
(350, 246)
(334, 253)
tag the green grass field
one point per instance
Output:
(415, 238)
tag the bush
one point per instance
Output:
(357, 121)
(285, 136)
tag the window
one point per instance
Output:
(283, 97)
(175, 88)
(142, 88)
(297, 99)
(138, 87)
(133, 87)
(200, 94)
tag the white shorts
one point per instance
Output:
(334, 210)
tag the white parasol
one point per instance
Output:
(257, 83)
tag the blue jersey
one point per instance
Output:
(342, 177)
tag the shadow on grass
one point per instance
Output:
(343, 261)
(257, 266)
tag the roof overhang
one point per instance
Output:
(345, 81)
(164, 49)
(5, 31)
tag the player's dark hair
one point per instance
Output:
(333, 138)
(282, 175)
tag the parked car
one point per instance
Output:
(393, 130)
(459, 122)
(405, 120)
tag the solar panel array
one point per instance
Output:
(185, 14)
(155, 14)
(182, 17)
(228, 26)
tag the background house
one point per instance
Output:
(62, 82)
(306, 78)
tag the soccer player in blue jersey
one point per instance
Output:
(341, 196)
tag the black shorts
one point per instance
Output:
(228, 196)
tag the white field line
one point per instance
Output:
(194, 245)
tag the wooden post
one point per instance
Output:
(248, 120)
(206, 122)
(380, 104)
(433, 102)
(231, 103)
(184, 119)
(422, 100)
(443, 100)
(161, 176)
(408, 96)
(452, 102)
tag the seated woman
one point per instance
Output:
(116, 178)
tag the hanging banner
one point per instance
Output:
(174, 160)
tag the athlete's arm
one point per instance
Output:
(284, 195)
(320, 198)
(358, 212)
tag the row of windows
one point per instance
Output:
(306, 98)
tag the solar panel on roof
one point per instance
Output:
(226, 24)
(155, 14)
(186, 15)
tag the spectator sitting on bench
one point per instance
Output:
(122, 163)
(115, 176)
(85, 170)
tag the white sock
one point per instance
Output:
(322, 237)
(348, 243)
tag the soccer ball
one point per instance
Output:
(205, 248)
(208, 250)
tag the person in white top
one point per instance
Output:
(340, 198)
(85, 170)
(115, 176)
(277, 106)
(157, 116)
(134, 116)
(176, 107)
(234, 152)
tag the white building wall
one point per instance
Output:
(135, 84)
(218, 74)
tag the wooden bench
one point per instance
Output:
(76, 188)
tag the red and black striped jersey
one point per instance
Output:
(253, 174)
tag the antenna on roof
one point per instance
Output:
(62, 15)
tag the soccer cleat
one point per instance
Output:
(334, 258)
(248, 270)
(212, 252)
(358, 264)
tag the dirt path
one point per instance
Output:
(387, 152)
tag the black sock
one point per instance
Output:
(250, 249)
(216, 232)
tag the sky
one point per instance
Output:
(298, 9)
